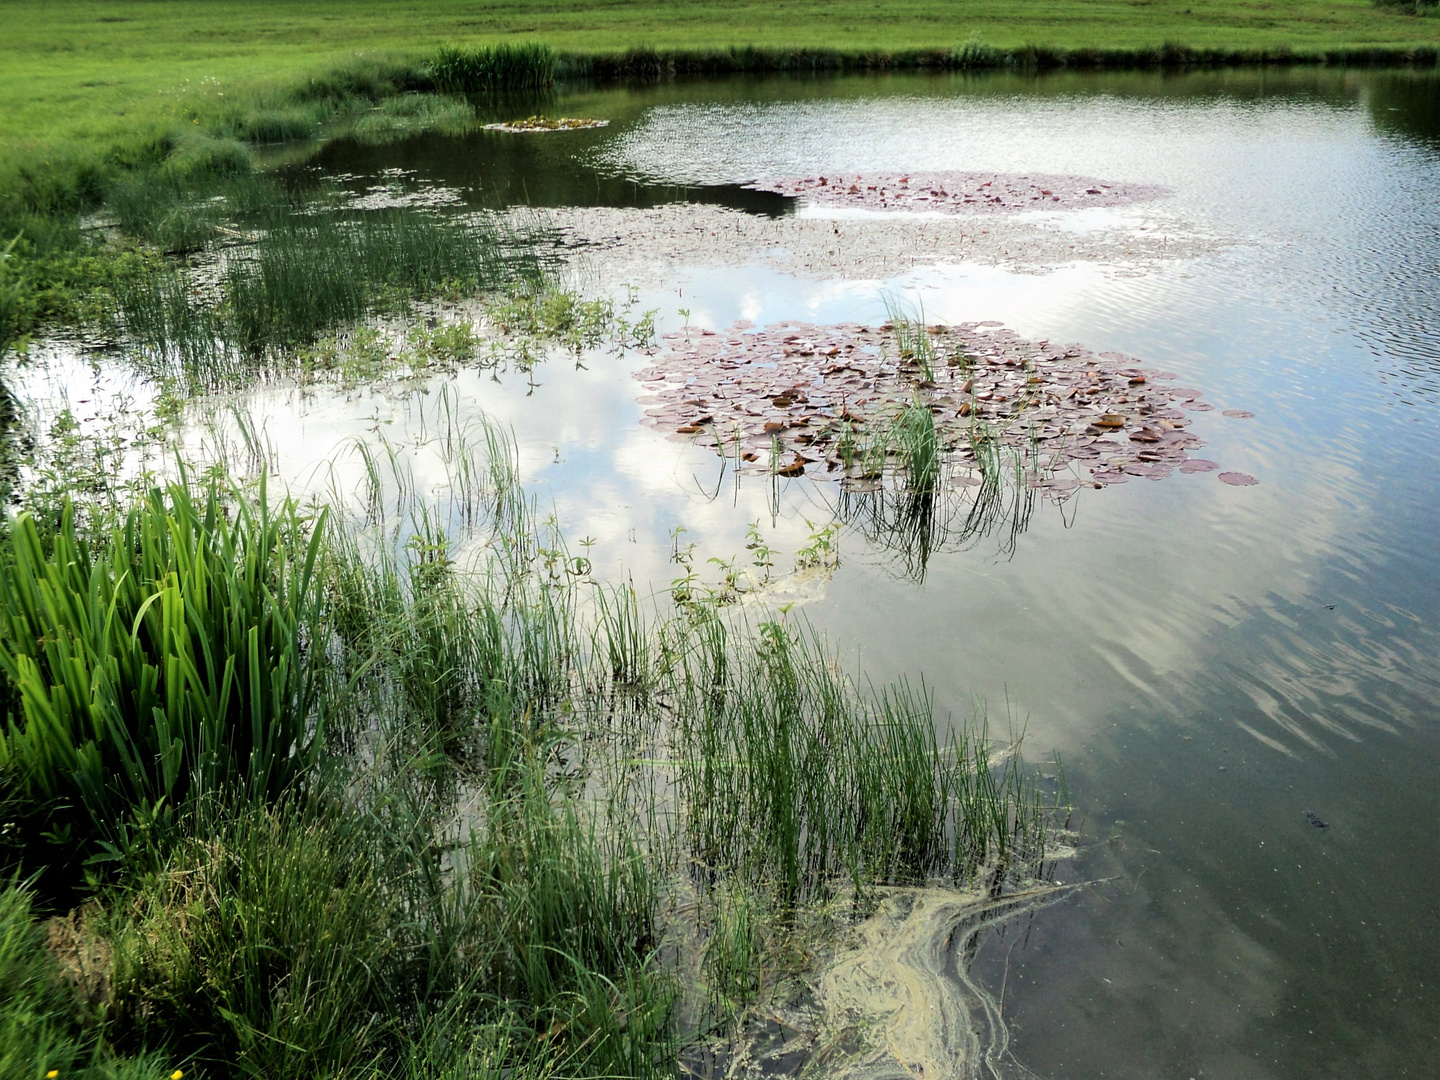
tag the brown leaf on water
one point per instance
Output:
(1237, 479)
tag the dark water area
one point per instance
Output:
(1210, 664)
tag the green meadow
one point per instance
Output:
(83, 70)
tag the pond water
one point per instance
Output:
(1210, 662)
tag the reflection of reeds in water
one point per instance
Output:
(986, 490)
(300, 276)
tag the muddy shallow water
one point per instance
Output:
(1210, 661)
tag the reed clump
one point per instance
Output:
(298, 277)
(526, 65)
(165, 661)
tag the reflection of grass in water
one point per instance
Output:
(303, 276)
(916, 521)
(399, 117)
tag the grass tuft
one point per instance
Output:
(522, 66)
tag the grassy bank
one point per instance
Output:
(81, 69)
(123, 104)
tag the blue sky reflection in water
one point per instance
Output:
(1210, 662)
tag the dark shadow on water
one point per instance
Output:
(502, 169)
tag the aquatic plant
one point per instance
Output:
(917, 445)
(168, 661)
(310, 275)
(913, 343)
(796, 782)
(12, 296)
(304, 276)
(511, 776)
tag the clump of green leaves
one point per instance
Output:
(166, 661)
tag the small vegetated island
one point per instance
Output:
(392, 784)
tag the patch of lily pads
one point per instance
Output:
(959, 192)
(799, 399)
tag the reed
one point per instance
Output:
(12, 296)
(917, 445)
(795, 781)
(913, 343)
(309, 276)
(504, 779)
(304, 277)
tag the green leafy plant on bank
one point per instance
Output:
(164, 663)
(520, 66)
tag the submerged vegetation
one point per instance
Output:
(347, 792)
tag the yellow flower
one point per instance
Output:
(176, 1075)
(52, 1074)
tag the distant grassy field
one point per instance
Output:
(88, 69)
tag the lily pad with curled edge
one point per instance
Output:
(1237, 479)
(1110, 421)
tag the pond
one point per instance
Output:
(1240, 679)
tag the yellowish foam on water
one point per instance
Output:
(895, 1000)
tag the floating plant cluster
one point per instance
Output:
(839, 402)
(959, 192)
(549, 123)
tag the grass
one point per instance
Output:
(77, 74)
(484, 787)
(147, 108)
(306, 271)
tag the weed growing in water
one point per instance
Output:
(913, 344)
(512, 777)
(917, 445)
(545, 314)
